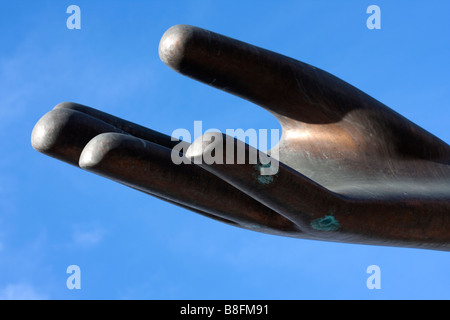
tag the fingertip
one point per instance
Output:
(47, 133)
(98, 148)
(173, 45)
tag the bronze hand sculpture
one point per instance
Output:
(349, 169)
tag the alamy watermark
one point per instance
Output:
(74, 280)
(217, 148)
(374, 20)
(374, 280)
(74, 20)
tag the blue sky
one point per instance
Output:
(132, 246)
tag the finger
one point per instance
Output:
(149, 167)
(121, 124)
(63, 133)
(278, 83)
(275, 185)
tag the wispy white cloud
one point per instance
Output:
(88, 238)
(21, 291)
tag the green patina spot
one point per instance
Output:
(327, 223)
(264, 179)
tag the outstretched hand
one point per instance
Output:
(347, 168)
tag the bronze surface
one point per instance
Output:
(350, 168)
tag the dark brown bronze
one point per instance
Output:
(350, 169)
